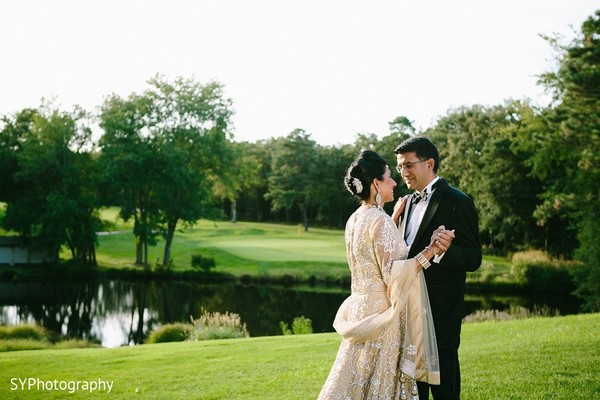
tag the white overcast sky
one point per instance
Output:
(334, 68)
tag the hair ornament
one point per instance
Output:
(358, 185)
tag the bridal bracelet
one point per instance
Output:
(423, 260)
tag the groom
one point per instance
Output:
(433, 203)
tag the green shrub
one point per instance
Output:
(8, 275)
(487, 272)
(23, 344)
(202, 262)
(530, 257)
(217, 325)
(177, 332)
(160, 268)
(514, 312)
(587, 280)
(539, 273)
(25, 331)
(34, 337)
(301, 325)
(76, 344)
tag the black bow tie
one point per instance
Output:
(417, 197)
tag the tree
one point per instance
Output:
(333, 203)
(163, 151)
(53, 200)
(189, 123)
(15, 131)
(294, 173)
(476, 155)
(568, 152)
(127, 167)
(402, 125)
(243, 176)
(254, 161)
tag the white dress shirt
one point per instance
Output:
(417, 211)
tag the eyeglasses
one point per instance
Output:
(408, 165)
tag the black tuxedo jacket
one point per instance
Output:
(452, 208)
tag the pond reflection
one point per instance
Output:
(116, 313)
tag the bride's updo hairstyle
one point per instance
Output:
(367, 166)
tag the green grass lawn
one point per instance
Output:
(539, 358)
(247, 240)
(256, 249)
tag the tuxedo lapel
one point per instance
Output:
(434, 202)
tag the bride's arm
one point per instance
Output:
(386, 244)
(429, 252)
(399, 209)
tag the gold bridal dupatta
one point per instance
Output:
(409, 303)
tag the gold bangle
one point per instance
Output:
(423, 260)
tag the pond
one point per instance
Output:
(116, 312)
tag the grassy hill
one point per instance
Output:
(242, 248)
(539, 358)
(257, 249)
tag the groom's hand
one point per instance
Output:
(443, 239)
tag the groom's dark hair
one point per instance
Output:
(422, 147)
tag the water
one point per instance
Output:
(116, 313)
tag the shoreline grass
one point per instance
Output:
(538, 358)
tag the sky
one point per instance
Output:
(334, 68)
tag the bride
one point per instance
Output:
(388, 337)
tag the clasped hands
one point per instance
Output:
(441, 239)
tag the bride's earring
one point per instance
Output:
(378, 198)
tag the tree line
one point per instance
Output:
(166, 157)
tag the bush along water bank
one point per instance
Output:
(209, 326)
(35, 337)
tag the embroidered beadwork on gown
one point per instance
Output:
(378, 357)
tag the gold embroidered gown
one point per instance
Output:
(388, 338)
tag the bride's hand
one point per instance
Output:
(435, 233)
(399, 208)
